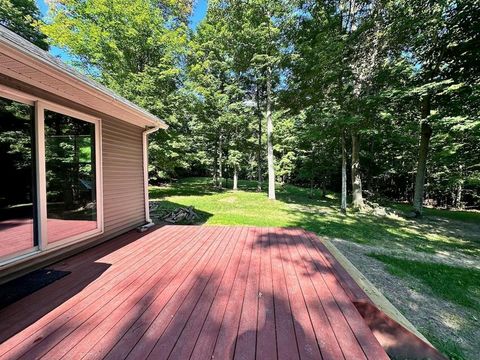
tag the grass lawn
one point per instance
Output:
(407, 249)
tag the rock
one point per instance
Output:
(380, 211)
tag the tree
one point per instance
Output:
(442, 44)
(257, 25)
(319, 83)
(23, 17)
(137, 48)
(234, 160)
(297, 85)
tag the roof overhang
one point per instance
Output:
(25, 62)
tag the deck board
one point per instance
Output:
(199, 292)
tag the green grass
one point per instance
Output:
(446, 346)
(294, 207)
(457, 285)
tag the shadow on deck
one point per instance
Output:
(194, 292)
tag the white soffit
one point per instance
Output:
(23, 61)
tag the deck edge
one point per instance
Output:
(375, 295)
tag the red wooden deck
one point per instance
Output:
(193, 292)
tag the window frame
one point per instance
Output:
(40, 105)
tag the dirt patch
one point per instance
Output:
(428, 313)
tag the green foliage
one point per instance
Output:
(136, 48)
(336, 67)
(23, 18)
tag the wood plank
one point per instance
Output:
(119, 342)
(179, 338)
(61, 290)
(78, 323)
(266, 337)
(205, 343)
(194, 292)
(353, 290)
(245, 347)
(118, 314)
(208, 309)
(174, 312)
(345, 337)
(306, 339)
(340, 326)
(366, 340)
(287, 347)
(327, 342)
(225, 345)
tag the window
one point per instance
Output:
(50, 183)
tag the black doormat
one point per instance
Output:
(17, 289)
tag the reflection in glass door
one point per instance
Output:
(17, 174)
(70, 176)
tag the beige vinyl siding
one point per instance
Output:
(123, 192)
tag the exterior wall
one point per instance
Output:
(123, 186)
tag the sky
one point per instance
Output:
(199, 12)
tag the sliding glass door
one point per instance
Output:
(17, 179)
(50, 176)
(71, 179)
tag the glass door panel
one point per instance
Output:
(70, 177)
(17, 176)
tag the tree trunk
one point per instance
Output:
(271, 168)
(357, 197)
(259, 157)
(458, 197)
(215, 171)
(343, 205)
(324, 187)
(458, 200)
(220, 161)
(235, 178)
(425, 134)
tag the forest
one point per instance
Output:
(373, 99)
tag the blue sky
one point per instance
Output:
(199, 13)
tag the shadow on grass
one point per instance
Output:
(184, 187)
(459, 215)
(420, 235)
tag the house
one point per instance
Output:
(73, 156)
